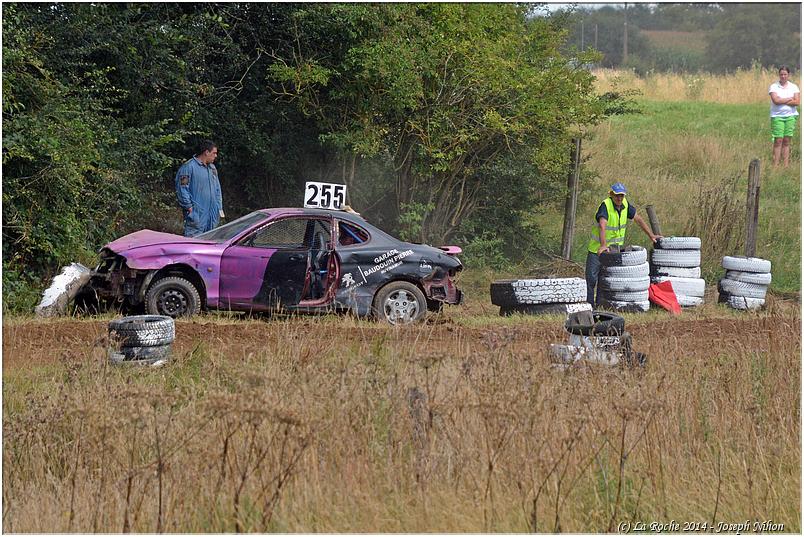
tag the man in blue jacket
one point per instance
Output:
(199, 191)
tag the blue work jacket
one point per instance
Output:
(197, 186)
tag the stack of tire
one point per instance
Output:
(678, 260)
(141, 340)
(540, 296)
(624, 280)
(746, 282)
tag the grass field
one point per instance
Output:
(460, 424)
(689, 158)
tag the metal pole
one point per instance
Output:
(572, 199)
(752, 208)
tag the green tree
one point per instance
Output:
(446, 89)
(768, 34)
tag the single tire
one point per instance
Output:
(625, 284)
(676, 258)
(746, 264)
(172, 296)
(507, 293)
(143, 330)
(598, 323)
(679, 243)
(676, 272)
(400, 302)
(140, 355)
(747, 290)
(637, 255)
(686, 301)
(683, 286)
(545, 309)
(625, 296)
(626, 271)
(626, 307)
(741, 302)
(758, 278)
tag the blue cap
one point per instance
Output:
(618, 188)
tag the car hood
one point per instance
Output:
(146, 237)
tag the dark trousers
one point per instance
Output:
(592, 274)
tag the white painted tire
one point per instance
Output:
(745, 303)
(683, 286)
(624, 284)
(759, 278)
(686, 301)
(676, 258)
(746, 264)
(742, 289)
(624, 296)
(507, 293)
(626, 271)
(679, 243)
(676, 272)
(636, 256)
(627, 306)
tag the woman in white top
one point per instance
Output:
(785, 96)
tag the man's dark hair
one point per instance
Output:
(784, 68)
(206, 145)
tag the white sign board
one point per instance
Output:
(324, 195)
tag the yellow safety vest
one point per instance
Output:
(615, 226)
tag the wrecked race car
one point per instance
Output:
(290, 259)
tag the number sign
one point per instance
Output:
(324, 195)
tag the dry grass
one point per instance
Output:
(338, 425)
(741, 87)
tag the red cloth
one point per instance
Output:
(662, 294)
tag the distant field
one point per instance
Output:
(695, 41)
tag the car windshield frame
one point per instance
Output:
(234, 228)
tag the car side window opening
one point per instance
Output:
(286, 233)
(349, 234)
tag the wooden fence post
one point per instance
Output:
(752, 209)
(653, 219)
(572, 199)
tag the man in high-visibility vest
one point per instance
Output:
(611, 219)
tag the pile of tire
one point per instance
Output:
(540, 296)
(746, 282)
(624, 280)
(141, 340)
(678, 260)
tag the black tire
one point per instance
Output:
(143, 330)
(602, 323)
(545, 309)
(399, 303)
(637, 255)
(172, 296)
(86, 302)
(140, 355)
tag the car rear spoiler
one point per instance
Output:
(451, 250)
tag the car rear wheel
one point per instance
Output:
(400, 303)
(172, 296)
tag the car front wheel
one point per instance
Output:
(400, 303)
(172, 296)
